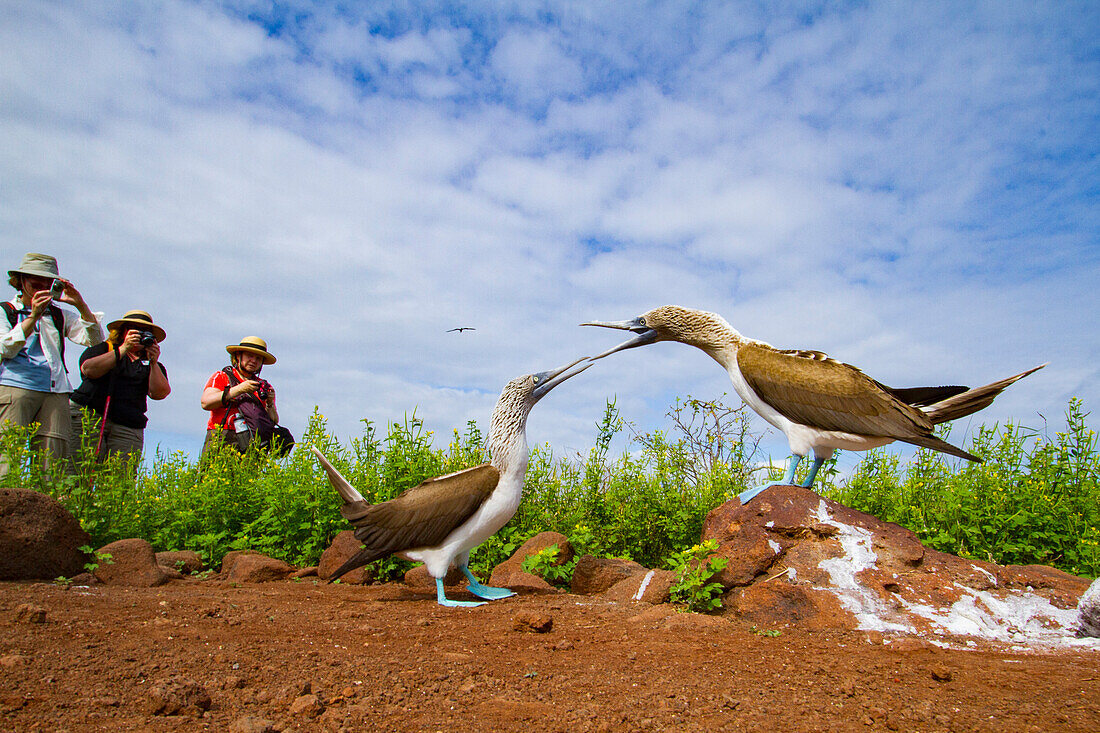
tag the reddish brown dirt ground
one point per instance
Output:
(388, 658)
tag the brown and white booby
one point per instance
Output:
(440, 520)
(819, 403)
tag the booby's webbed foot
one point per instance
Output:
(481, 590)
(749, 494)
(792, 466)
(442, 599)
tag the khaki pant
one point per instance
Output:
(50, 410)
(116, 438)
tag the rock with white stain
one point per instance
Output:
(651, 586)
(1088, 612)
(828, 566)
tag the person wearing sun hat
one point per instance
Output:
(34, 382)
(232, 393)
(119, 375)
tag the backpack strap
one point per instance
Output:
(233, 382)
(58, 322)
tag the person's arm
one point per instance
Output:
(271, 411)
(87, 331)
(158, 378)
(212, 396)
(95, 367)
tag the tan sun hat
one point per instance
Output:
(253, 345)
(35, 264)
(140, 320)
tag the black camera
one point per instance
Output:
(146, 338)
(57, 289)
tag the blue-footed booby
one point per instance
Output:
(819, 403)
(439, 521)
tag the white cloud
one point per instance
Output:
(910, 192)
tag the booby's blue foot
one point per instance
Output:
(748, 495)
(443, 600)
(480, 590)
(788, 479)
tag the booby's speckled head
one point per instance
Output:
(520, 395)
(697, 328)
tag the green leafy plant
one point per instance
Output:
(773, 633)
(694, 568)
(544, 564)
(100, 558)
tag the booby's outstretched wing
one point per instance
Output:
(809, 388)
(421, 516)
(424, 515)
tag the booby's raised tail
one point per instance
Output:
(440, 520)
(819, 403)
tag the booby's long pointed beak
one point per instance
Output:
(644, 335)
(549, 379)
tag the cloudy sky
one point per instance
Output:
(911, 189)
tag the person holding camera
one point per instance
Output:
(119, 374)
(34, 382)
(242, 404)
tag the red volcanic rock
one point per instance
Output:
(188, 562)
(252, 567)
(131, 562)
(39, 538)
(595, 574)
(795, 557)
(510, 573)
(649, 586)
(343, 547)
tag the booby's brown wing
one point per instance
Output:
(809, 388)
(424, 515)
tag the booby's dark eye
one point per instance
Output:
(641, 322)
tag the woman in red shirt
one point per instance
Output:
(228, 388)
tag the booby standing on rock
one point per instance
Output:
(819, 403)
(440, 520)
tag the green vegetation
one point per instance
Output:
(544, 564)
(694, 568)
(1034, 500)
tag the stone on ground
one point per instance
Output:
(246, 566)
(131, 562)
(596, 574)
(510, 573)
(39, 538)
(187, 562)
(344, 546)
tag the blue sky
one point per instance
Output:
(910, 189)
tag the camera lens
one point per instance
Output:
(147, 338)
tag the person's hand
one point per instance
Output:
(70, 294)
(246, 387)
(39, 303)
(131, 344)
(152, 352)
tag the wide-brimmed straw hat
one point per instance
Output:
(35, 264)
(253, 345)
(141, 321)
